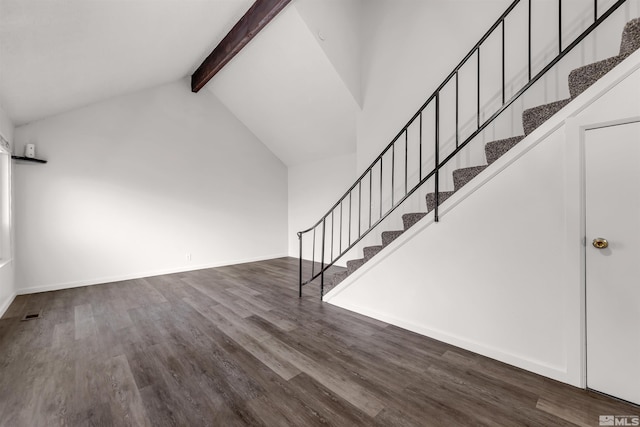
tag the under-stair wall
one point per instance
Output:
(501, 274)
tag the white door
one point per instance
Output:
(612, 160)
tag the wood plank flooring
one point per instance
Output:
(235, 346)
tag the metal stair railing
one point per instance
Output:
(321, 265)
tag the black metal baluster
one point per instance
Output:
(350, 217)
(332, 234)
(437, 159)
(300, 243)
(359, 208)
(503, 72)
(420, 145)
(457, 108)
(370, 194)
(380, 187)
(559, 26)
(529, 48)
(595, 10)
(341, 225)
(393, 171)
(406, 165)
(313, 253)
(478, 113)
(324, 220)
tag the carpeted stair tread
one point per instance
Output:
(630, 38)
(327, 287)
(534, 117)
(464, 175)
(495, 149)
(431, 199)
(390, 236)
(337, 278)
(411, 218)
(371, 251)
(354, 264)
(581, 78)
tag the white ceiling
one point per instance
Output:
(57, 55)
(286, 90)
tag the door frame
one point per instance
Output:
(582, 136)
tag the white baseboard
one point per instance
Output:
(131, 276)
(4, 306)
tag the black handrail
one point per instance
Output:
(434, 173)
(415, 116)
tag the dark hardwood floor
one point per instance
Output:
(234, 346)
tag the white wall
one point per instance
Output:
(136, 183)
(480, 279)
(401, 69)
(7, 286)
(502, 273)
(336, 25)
(409, 47)
(313, 188)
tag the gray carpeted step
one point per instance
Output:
(581, 78)
(495, 149)
(327, 287)
(354, 264)
(431, 199)
(411, 218)
(371, 251)
(534, 117)
(630, 38)
(390, 236)
(464, 175)
(337, 278)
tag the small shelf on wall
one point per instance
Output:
(28, 159)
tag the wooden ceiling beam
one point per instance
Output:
(256, 18)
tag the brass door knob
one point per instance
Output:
(600, 243)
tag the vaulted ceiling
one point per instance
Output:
(295, 85)
(56, 55)
(286, 90)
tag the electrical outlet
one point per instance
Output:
(188, 257)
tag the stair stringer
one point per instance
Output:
(525, 313)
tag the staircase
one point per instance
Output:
(579, 80)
